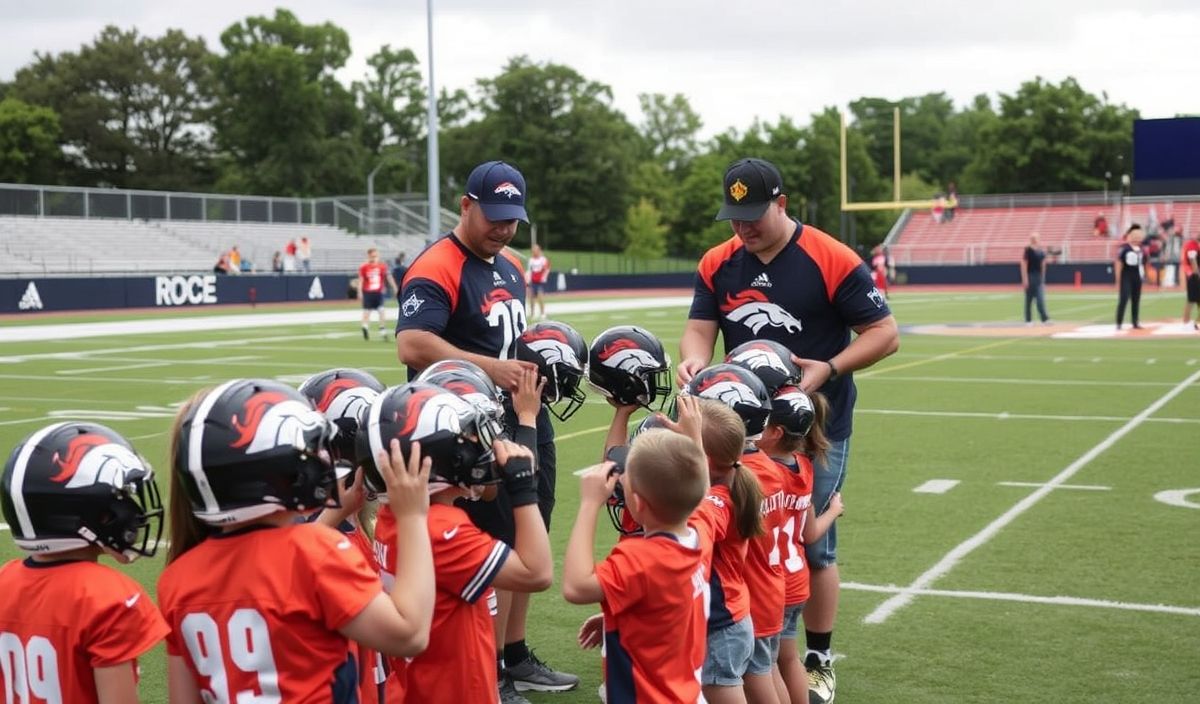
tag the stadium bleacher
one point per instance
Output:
(996, 235)
(68, 245)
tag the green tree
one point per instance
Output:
(392, 101)
(669, 128)
(284, 122)
(645, 235)
(29, 150)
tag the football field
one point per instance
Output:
(1022, 505)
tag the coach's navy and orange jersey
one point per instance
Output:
(61, 620)
(650, 584)
(475, 305)
(373, 276)
(806, 298)
(258, 610)
(763, 571)
(460, 663)
(797, 497)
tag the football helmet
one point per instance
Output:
(453, 432)
(770, 360)
(629, 366)
(468, 381)
(621, 519)
(792, 410)
(561, 356)
(71, 485)
(343, 395)
(738, 388)
(252, 447)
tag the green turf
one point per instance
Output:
(980, 410)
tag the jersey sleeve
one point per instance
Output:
(622, 578)
(424, 305)
(857, 300)
(704, 301)
(124, 623)
(466, 559)
(341, 582)
(711, 518)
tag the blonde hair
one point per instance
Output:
(724, 441)
(184, 529)
(669, 472)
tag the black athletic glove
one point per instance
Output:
(519, 481)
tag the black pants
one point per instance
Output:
(1131, 292)
(1036, 291)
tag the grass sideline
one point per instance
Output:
(1089, 593)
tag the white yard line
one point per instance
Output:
(1025, 598)
(1005, 415)
(1034, 485)
(1015, 381)
(903, 597)
(202, 344)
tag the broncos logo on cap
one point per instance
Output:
(498, 295)
(429, 411)
(727, 388)
(759, 355)
(93, 458)
(752, 309)
(507, 189)
(625, 355)
(273, 419)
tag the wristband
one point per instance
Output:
(833, 371)
(527, 436)
(519, 481)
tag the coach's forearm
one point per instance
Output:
(699, 337)
(420, 348)
(873, 343)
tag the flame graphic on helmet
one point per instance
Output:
(93, 458)
(412, 410)
(331, 392)
(274, 419)
(498, 295)
(713, 379)
(616, 346)
(544, 333)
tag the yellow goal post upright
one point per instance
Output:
(896, 203)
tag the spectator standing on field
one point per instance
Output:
(399, 269)
(782, 280)
(1189, 266)
(539, 275)
(1129, 270)
(304, 252)
(1033, 279)
(373, 275)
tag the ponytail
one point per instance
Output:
(816, 443)
(184, 529)
(747, 498)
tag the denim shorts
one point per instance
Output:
(766, 652)
(791, 621)
(728, 654)
(827, 478)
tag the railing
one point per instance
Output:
(992, 253)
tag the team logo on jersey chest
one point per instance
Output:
(752, 309)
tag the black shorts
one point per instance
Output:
(1193, 288)
(372, 300)
(539, 288)
(496, 517)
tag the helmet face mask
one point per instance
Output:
(453, 433)
(629, 366)
(737, 388)
(73, 485)
(251, 448)
(561, 356)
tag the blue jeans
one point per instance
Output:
(1036, 291)
(728, 654)
(827, 479)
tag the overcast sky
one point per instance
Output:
(733, 60)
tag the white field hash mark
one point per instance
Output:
(1026, 598)
(936, 486)
(905, 595)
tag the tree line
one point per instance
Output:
(266, 115)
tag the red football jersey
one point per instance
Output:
(257, 611)
(61, 620)
(371, 670)
(539, 269)
(730, 599)
(374, 277)
(764, 577)
(789, 544)
(1189, 257)
(650, 584)
(460, 663)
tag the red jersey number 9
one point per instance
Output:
(249, 649)
(33, 671)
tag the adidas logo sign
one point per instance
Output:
(31, 299)
(315, 292)
(497, 279)
(761, 281)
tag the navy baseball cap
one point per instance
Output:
(750, 186)
(500, 191)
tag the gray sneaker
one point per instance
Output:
(508, 693)
(822, 684)
(535, 675)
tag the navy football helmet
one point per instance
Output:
(770, 360)
(343, 395)
(792, 410)
(629, 366)
(561, 356)
(738, 388)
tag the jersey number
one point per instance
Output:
(509, 316)
(29, 669)
(794, 562)
(249, 646)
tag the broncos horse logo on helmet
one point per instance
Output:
(738, 388)
(793, 410)
(752, 309)
(629, 366)
(343, 395)
(454, 434)
(561, 356)
(769, 360)
(474, 386)
(71, 485)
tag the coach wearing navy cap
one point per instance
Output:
(778, 279)
(464, 298)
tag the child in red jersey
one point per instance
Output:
(644, 583)
(71, 630)
(258, 603)
(795, 438)
(460, 663)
